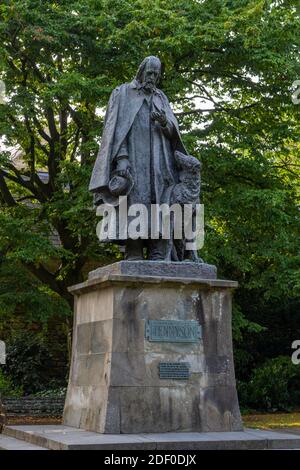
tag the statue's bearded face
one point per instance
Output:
(151, 75)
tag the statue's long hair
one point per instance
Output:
(140, 73)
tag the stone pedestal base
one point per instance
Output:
(115, 385)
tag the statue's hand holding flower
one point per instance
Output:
(160, 117)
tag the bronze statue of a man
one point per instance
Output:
(137, 153)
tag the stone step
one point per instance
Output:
(60, 437)
(10, 443)
(28, 434)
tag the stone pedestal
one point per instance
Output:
(117, 382)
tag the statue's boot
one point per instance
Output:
(158, 250)
(134, 250)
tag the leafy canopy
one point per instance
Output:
(229, 66)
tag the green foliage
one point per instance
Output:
(60, 63)
(7, 388)
(22, 295)
(229, 67)
(240, 324)
(28, 363)
(52, 393)
(273, 386)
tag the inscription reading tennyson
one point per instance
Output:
(177, 331)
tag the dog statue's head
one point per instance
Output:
(187, 162)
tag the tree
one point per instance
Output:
(229, 69)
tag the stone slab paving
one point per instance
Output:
(59, 437)
(10, 443)
(290, 430)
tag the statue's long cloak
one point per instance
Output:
(124, 104)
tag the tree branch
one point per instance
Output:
(46, 277)
(41, 131)
(75, 146)
(197, 111)
(5, 192)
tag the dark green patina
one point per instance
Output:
(175, 331)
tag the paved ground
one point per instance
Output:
(59, 437)
(290, 430)
(10, 443)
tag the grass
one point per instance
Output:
(272, 420)
(13, 420)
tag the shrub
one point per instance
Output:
(273, 386)
(7, 388)
(29, 363)
(52, 393)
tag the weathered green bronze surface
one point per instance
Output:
(175, 331)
